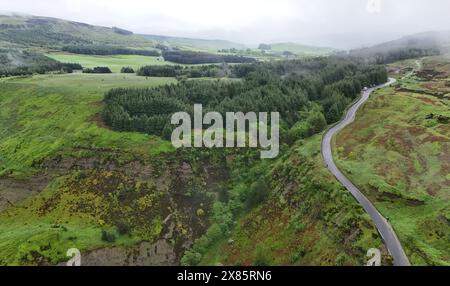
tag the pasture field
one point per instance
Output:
(398, 153)
(114, 62)
(51, 113)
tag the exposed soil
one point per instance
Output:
(160, 253)
(14, 191)
(427, 100)
(180, 186)
(431, 74)
(98, 121)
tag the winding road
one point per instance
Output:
(384, 228)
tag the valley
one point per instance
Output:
(86, 160)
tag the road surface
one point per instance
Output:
(384, 228)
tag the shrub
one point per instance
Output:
(108, 237)
(98, 70)
(297, 225)
(262, 256)
(257, 194)
(123, 228)
(299, 253)
(340, 259)
(191, 258)
(127, 70)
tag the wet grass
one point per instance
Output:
(400, 157)
(45, 115)
(114, 62)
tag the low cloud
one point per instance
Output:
(342, 24)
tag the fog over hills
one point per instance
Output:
(51, 27)
(433, 39)
(346, 24)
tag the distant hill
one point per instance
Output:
(42, 32)
(24, 40)
(301, 50)
(417, 45)
(201, 44)
(435, 39)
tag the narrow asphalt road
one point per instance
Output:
(384, 228)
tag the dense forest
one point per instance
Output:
(39, 69)
(215, 71)
(108, 50)
(189, 57)
(309, 94)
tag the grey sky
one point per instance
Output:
(335, 23)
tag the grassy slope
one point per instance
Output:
(115, 63)
(195, 44)
(43, 116)
(308, 219)
(46, 32)
(301, 50)
(26, 230)
(40, 35)
(65, 106)
(401, 160)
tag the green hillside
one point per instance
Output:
(301, 50)
(397, 152)
(24, 41)
(43, 32)
(114, 62)
(86, 159)
(189, 43)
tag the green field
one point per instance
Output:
(399, 155)
(42, 115)
(194, 44)
(114, 62)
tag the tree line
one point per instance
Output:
(98, 70)
(308, 94)
(31, 63)
(190, 57)
(104, 50)
(215, 71)
(39, 69)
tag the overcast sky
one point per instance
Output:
(334, 23)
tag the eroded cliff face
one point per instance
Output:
(151, 210)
